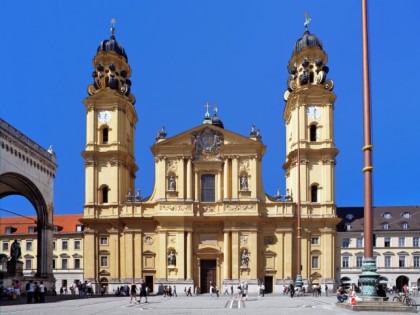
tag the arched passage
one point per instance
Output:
(17, 184)
(400, 282)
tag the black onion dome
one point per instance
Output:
(307, 40)
(113, 45)
(217, 122)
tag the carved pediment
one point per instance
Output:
(104, 273)
(207, 144)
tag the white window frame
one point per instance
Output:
(359, 242)
(66, 267)
(315, 262)
(5, 246)
(28, 264)
(64, 242)
(315, 240)
(77, 242)
(359, 261)
(29, 246)
(388, 261)
(401, 261)
(401, 241)
(105, 239)
(80, 263)
(389, 241)
(345, 262)
(102, 259)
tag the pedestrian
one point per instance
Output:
(41, 292)
(217, 290)
(326, 290)
(225, 291)
(341, 296)
(262, 289)
(189, 292)
(133, 292)
(30, 291)
(231, 290)
(103, 290)
(174, 292)
(185, 291)
(143, 291)
(292, 289)
(36, 292)
(17, 289)
(211, 290)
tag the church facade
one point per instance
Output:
(208, 220)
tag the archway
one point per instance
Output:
(400, 282)
(17, 184)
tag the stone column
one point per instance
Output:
(235, 188)
(235, 257)
(189, 255)
(127, 252)
(90, 250)
(225, 179)
(138, 255)
(181, 179)
(220, 185)
(189, 179)
(226, 254)
(114, 257)
(196, 187)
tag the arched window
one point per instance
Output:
(312, 133)
(105, 194)
(105, 136)
(314, 193)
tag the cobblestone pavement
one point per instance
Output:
(203, 304)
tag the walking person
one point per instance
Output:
(189, 292)
(17, 289)
(231, 290)
(211, 290)
(326, 290)
(42, 292)
(225, 291)
(30, 291)
(262, 289)
(174, 292)
(133, 292)
(143, 292)
(292, 289)
(217, 290)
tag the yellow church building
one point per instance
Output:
(208, 219)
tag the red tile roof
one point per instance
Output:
(67, 221)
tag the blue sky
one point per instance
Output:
(233, 53)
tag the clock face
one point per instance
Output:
(314, 112)
(104, 116)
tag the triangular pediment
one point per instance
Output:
(270, 253)
(186, 141)
(149, 253)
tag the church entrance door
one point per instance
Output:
(207, 275)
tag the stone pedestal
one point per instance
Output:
(15, 267)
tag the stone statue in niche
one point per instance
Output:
(171, 259)
(244, 259)
(171, 183)
(244, 183)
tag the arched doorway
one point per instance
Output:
(400, 282)
(17, 184)
(104, 286)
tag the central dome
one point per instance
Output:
(112, 45)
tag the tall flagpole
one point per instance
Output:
(369, 277)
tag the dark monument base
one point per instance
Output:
(15, 267)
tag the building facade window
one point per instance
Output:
(401, 241)
(28, 245)
(103, 240)
(416, 241)
(385, 226)
(388, 261)
(401, 261)
(64, 264)
(387, 242)
(79, 228)
(54, 245)
(64, 244)
(387, 215)
(314, 193)
(347, 227)
(28, 264)
(105, 135)
(105, 190)
(404, 225)
(359, 242)
(315, 241)
(54, 263)
(77, 263)
(5, 246)
(8, 230)
(345, 262)
(77, 244)
(416, 261)
(406, 215)
(315, 260)
(312, 132)
(359, 261)
(104, 261)
(345, 243)
(31, 229)
(207, 188)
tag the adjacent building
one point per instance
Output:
(396, 244)
(67, 262)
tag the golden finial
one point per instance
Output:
(113, 26)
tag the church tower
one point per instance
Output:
(309, 117)
(109, 153)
